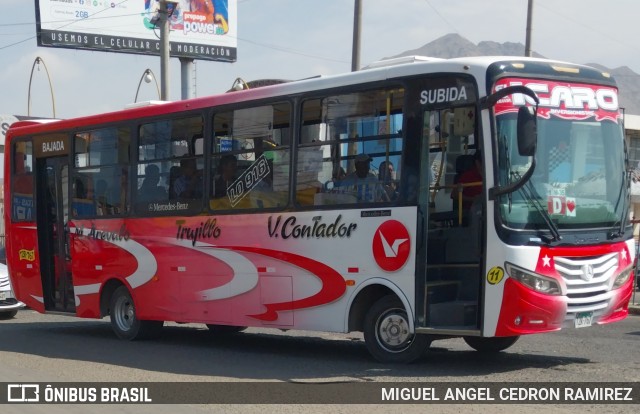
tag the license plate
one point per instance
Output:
(3, 295)
(583, 319)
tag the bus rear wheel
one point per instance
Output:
(225, 329)
(490, 345)
(386, 333)
(125, 322)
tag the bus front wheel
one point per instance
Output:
(125, 322)
(495, 344)
(387, 335)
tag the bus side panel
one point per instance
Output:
(24, 265)
(279, 270)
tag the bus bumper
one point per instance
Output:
(524, 311)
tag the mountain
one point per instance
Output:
(454, 45)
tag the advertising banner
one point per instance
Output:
(199, 29)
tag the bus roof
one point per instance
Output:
(378, 71)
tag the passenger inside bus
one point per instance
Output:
(361, 182)
(189, 183)
(149, 189)
(103, 207)
(387, 177)
(174, 173)
(227, 174)
(82, 205)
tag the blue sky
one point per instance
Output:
(293, 39)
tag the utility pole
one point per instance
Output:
(355, 51)
(164, 51)
(527, 46)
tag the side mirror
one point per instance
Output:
(527, 134)
(527, 131)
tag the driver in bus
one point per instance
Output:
(472, 176)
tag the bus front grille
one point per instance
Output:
(588, 281)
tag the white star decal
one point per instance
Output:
(624, 254)
(546, 261)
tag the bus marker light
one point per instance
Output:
(353, 270)
(98, 267)
(536, 322)
(517, 320)
(565, 69)
(179, 269)
(265, 269)
(350, 282)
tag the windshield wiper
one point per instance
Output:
(531, 195)
(620, 231)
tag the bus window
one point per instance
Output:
(22, 182)
(340, 130)
(170, 164)
(100, 178)
(250, 164)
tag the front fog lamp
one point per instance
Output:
(622, 278)
(534, 281)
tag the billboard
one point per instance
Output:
(200, 29)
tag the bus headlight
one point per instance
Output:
(622, 278)
(534, 281)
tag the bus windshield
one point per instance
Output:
(579, 178)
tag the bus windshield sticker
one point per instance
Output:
(572, 101)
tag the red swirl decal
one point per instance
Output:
(333, 284)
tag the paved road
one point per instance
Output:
(46, 348)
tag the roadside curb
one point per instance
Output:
(634, 309)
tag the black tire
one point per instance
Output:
(225, 329)
(8, 314)
(386, 333)
(124, 321)
(490, 345)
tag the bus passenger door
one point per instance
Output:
(453, 233)
(53, 233)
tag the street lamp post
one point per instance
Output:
(147, 76)
(165, 10)
(164, 51)
(527, 46)
(38, 61)
(355, 50)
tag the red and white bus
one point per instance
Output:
(337, 204)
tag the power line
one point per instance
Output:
(292, 51)
(455, 29)
(593, 29)
(69, 21)
(264, 45)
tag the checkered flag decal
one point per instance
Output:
(557, 157)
